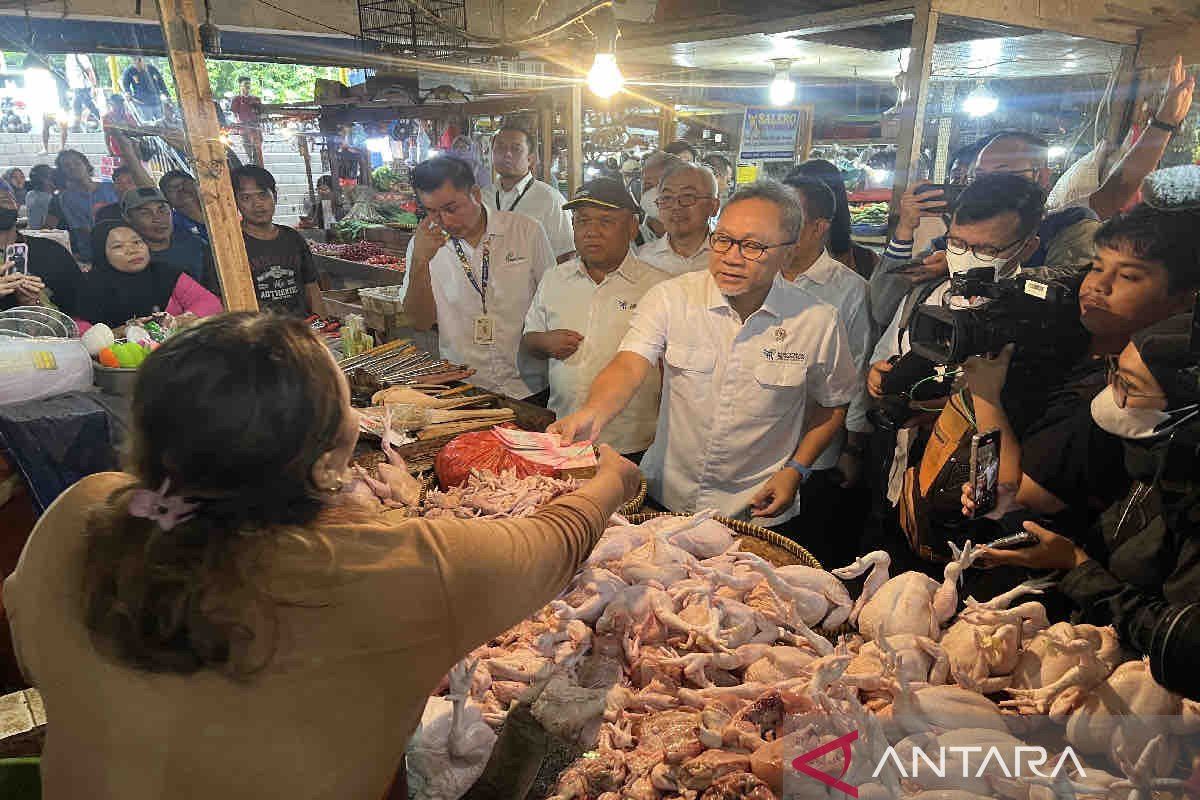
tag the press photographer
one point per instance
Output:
(1140, 572)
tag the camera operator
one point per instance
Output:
(1140, 571)
(1147, 268)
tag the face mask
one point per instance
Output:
(1136, 423)
(961, 262)
(647, 202)
(8, 218)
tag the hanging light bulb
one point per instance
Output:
(605, 78)
(980, 102)
(783, 88)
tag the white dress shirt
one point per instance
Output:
(734, 393)
(659, 253)
(539, 200)
(519, 257)
(568, 298)
(845, 290)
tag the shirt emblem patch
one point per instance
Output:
(788, 356)
(624, 305)
(780, 334)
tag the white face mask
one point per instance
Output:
(961, 262)
(647, 202)
(1136, 423)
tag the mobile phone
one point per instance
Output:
(985, 471)
(18, 254)
(950, 192)
(1015, 541)
(906, 267)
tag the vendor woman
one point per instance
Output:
(125, 282)
(213, 623)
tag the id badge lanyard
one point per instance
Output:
(480, 285)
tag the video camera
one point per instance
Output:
(1038, 316)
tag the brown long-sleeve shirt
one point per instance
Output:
(383, 619)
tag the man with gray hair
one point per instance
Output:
(757, 373)
(654, 165)
(687, 200)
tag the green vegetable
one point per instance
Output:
(129, 354)
(385, 179)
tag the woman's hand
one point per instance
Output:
(776, 495)
(986, 376)
(10, 281)
(29, 293)
(613, 463)
(1051, 552)
(1006, 501)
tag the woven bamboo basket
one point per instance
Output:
(781, 552)
(635, 505)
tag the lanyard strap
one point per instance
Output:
(519, 197)
(482, 284)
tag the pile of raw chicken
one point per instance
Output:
(687, 668)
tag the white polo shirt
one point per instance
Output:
(519, 257)
(658, 253)
(845, 290)
(539, 200)
(734, 393)
(568, 298)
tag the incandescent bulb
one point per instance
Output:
(783, 90)
(604, 78)
(980, 102)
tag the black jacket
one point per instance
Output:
(1146, 554)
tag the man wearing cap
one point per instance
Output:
(687, 200)
(513, 156)
(757, 373)
(473, 273)
(148, 212)
(582, 309)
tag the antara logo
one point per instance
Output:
(1017, 762)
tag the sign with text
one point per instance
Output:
(775, 134)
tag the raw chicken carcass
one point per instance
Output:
(920, 658)
(738, 786)
(909, 603)
(1060, 665)
(452, 744)
(940, 708)
(403, 487)
(571, 712)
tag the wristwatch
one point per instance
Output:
(1155, 122)
(804, 471)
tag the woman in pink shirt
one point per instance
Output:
(126, 283)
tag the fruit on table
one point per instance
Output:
(129, 354)
(108, 358)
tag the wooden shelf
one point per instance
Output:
(343, 274)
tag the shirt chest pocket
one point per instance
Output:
(690, 370)
(777, 390)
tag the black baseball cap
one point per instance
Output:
(605, 193)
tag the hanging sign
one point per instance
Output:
(770, 133)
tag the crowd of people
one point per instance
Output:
(738, 345)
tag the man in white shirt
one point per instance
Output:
(687, 200)
(837, 469)
(473, 273)
(757, 373)
(582, 309)
(654, 166)
(81, 80)
(513, 157)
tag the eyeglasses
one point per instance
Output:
(1120, 385)
(1027, 172)
(958, 247)
(750, 249)
(683, 200)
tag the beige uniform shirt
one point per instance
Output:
(659, 253)
(359, 652)
(569, 298)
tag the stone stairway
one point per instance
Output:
(283, 160)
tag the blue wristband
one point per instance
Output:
(804, 471)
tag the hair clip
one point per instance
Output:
(160, 507)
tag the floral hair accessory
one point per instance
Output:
(160, 506)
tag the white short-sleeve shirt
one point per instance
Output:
(658, 253)
(519, 256)
(734, 393)
(568, 298)
(845, 290)
(539, 200)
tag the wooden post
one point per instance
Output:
(546, 124)
(666, 126)
(575, 137)
(180, 26)
(303, 144)
(916, 86)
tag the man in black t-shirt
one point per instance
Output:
(285, 279)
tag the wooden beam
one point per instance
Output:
(1075, 17)
(915, 88)
(695, 30)
(546, 127)
(575, 140)
(180, 32)
(666, 125)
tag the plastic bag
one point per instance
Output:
(31, 369)
(481, 450)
